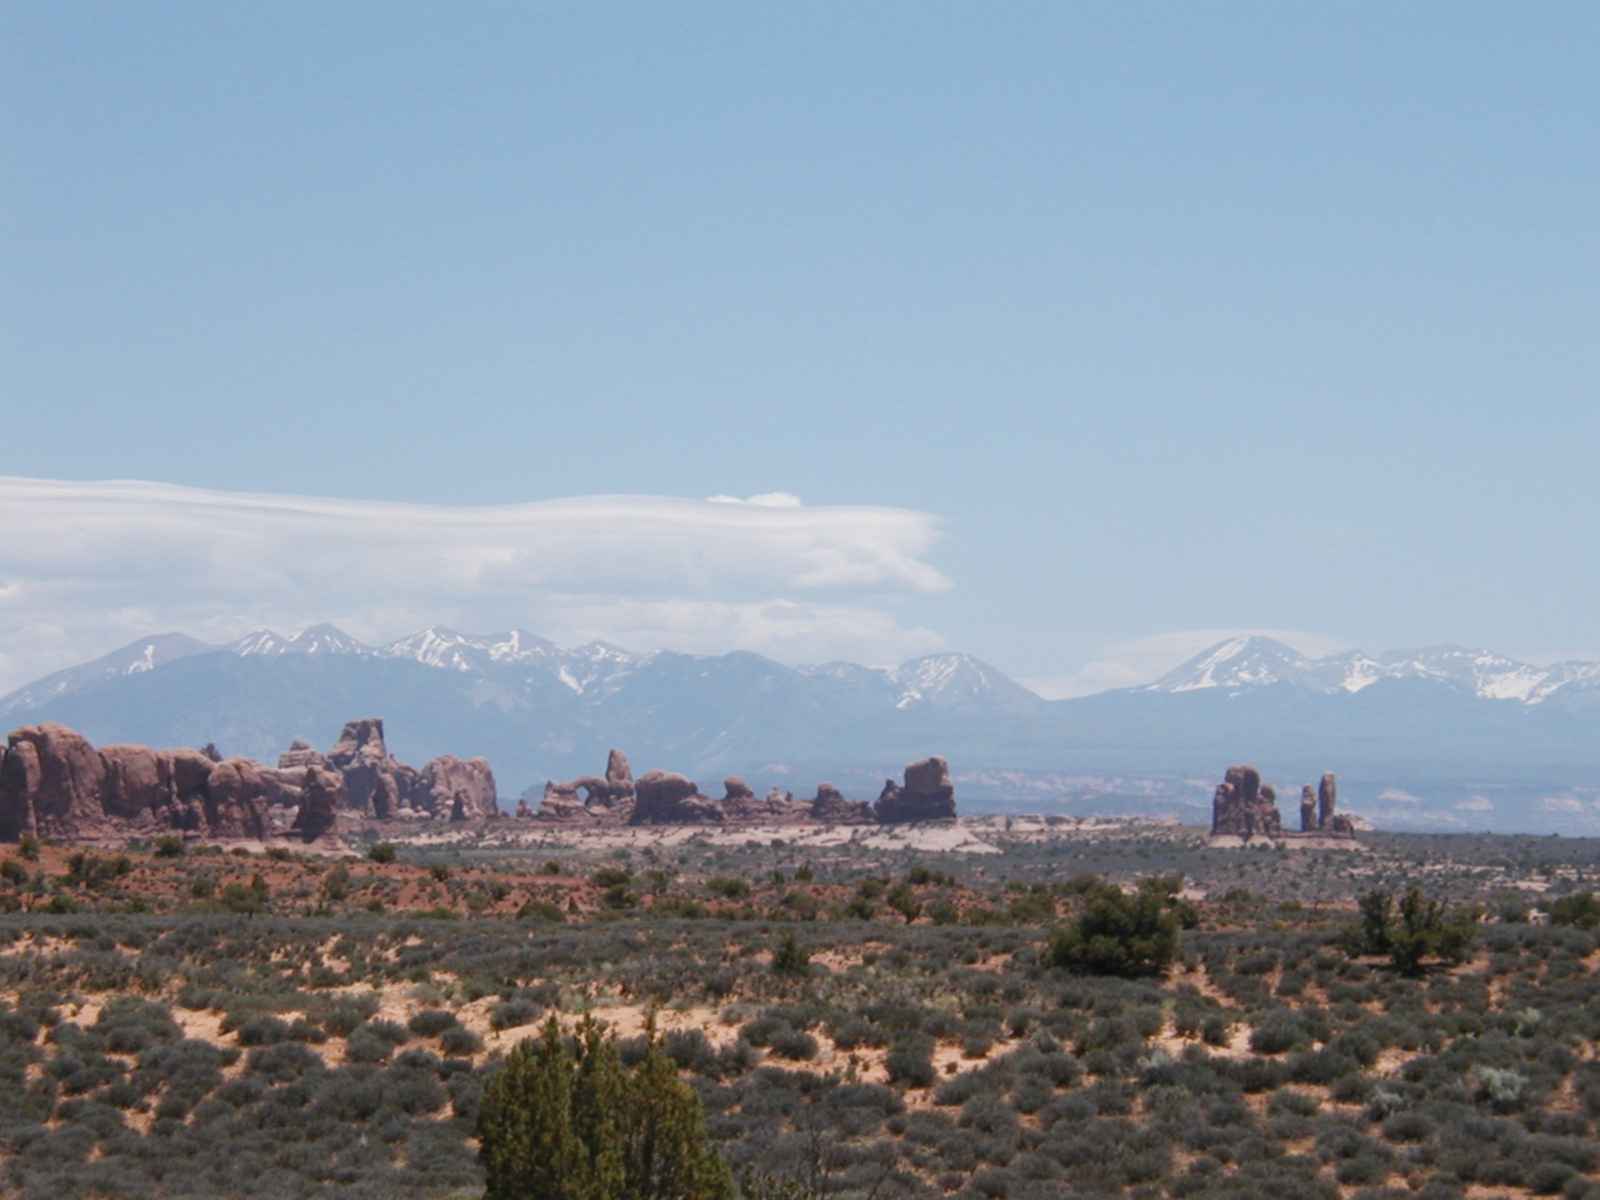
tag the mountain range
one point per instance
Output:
(1255, 662)
(1439, 738)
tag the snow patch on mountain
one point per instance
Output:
(1243, 663)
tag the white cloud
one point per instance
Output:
(85, 567)
(763, 500)
(1400, 796)
(1130, 662)
(1476, 804)
(1562, 804)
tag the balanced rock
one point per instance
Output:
(1240, 807)
(928, 794)
(1308, 810)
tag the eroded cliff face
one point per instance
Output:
(669, 798)
(926, 795)
(55, 784)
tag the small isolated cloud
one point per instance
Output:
(1477, 804)
(1399, 796)
(1131, 662)
(1561, 804)
(89, 566)
(762, 500)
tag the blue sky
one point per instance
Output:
(1159, 320)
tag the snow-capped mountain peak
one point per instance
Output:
(322, 639)
(136, 658)
(1239, 662)
(958, 681)
(260, 642)
(326, 639)
(439, 646)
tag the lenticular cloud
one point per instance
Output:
(84, 566)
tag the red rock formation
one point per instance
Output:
(300, 755)
(928, 794)
(619, 775)
(1327, 800)
(373, 779)
(1308, 810)
(322, 795)
(138, 781)
(1241, 807)
(238, 793)
(667, 798)
(54, 784)
(608, 800)
(740, 803)
(51, 784)
(1265, 817)
(830, 807)
(461, 789)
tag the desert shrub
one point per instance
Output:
(1580, 909)
(1501, 1088)
(789, 958)
(510, 1013)
(262, 1031)
(282, 1062)
(431, 1022)
(382, 852)
(1279, 1032)
(569, 1121)
(910, 1062)
(342, 1016)
(459, 1040)
(794, 1044)
(366, 1046)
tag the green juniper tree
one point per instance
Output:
(565, 1120)
(1120, 934)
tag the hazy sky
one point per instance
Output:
(1083, 332)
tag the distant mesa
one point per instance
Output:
(1243, 808)
(55, 784)
(927, 795)
(668, 798)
